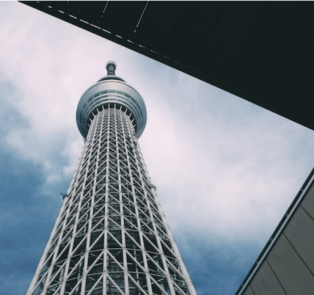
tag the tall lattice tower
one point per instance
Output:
(111, 236)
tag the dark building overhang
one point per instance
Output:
(259, 51)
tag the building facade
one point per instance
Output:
(111, 236)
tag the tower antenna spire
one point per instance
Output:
(111, 67)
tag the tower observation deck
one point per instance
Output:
(111, 236)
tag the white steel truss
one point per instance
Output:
(111, 237)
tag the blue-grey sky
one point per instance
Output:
(225, 169)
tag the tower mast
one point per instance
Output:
(111, 236)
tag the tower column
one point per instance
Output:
(111, 236)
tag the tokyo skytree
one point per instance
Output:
(111, 236)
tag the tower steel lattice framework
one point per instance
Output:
(111, 236)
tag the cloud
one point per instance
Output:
(228, 168)
(213, 153)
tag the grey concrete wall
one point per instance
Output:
(288, 267)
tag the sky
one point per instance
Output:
(225, 169)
